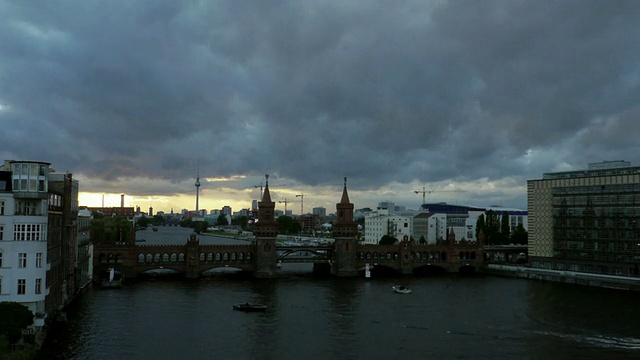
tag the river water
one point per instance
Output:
(445, 317)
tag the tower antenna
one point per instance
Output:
(197, 184)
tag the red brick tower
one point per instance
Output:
(344, 232)
(266, 231)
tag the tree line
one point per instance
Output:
(497, 230)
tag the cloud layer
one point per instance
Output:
(479, 94)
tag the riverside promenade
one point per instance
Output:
(563, 276)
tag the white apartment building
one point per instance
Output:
(380, 223)
(430, 226)
(24, 202)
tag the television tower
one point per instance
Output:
(197, 188)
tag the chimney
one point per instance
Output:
(122, 200)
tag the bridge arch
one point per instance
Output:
(288, 252)
(467, 269)
(429, 269)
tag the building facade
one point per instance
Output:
(38, 236)
(23, 224)
(430, 227)
(587, 220)
(320, 211)
(381, 222)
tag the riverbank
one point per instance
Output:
(569, 277)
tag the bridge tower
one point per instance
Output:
(344, 231)
(193, 257)
(265, 232)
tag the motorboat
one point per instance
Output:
(401, 289)
(247, 307)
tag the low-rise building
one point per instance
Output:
(430, 227)
(380, 223)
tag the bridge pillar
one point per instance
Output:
(193, 257)
(406, 261)
(266, 258)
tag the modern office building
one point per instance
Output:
(320, 211)
(586, 220)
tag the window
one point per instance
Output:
(28, 232)
(26, 207)
(22, 286)
(0, 259)
(39, 260)
(0, 285)
(1, 232)
(38, 286)
(1, 207)
(22, 260)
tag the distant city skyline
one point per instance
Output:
(327, 200)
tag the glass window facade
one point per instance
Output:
(30, 177)
(598, 222)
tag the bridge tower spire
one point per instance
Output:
(265, 231)
(344, 232)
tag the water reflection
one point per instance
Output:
(446, 317)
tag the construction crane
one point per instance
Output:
(285, 202)
(424, 193)
(301, 196)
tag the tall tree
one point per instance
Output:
(222, 220)
(143, 222)
(111, 229)
(13, 318)
(480, 225)
(492, 228)
(387, 240)
(520, 235)
(241, 221)
(288, 225)
(505, 232)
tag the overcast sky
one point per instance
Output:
(467, 99)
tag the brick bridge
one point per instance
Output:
(344, 258)
(193, 259)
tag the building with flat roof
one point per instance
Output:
(38, 237)
(381, 222)
(320, 211)
(586, 220)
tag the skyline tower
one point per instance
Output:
(197, 184)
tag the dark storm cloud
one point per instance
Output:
(312, 91)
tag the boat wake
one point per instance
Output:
(600, 341)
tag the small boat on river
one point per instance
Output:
(247, 307)
(401, 289)
(114, 281)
